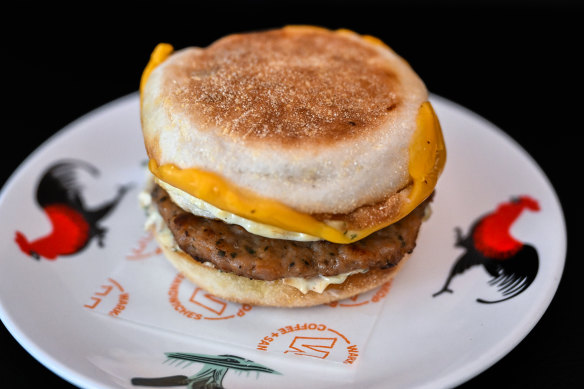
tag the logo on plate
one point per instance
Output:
(195, 303)
(512, 264)
(210, 376)
(146, 247)
(74, 225)
(311, 340)
(110, 288)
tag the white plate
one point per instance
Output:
(418, 341)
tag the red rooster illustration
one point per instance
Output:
(512, 265)
(73, 224)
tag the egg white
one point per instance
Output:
(202, 208)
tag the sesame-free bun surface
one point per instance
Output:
(318, 120)
(244, 290)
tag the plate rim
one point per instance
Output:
(456, 377)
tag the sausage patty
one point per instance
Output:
(232, 249)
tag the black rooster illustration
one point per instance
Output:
(512, 265)
(59, 193)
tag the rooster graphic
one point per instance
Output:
(59, 193)
(512, 264)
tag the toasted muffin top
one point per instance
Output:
(315, 119)
(290, 86)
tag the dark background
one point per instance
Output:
(515, 63)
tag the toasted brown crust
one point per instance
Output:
(271, 293)
(287, 86)
(232, 249)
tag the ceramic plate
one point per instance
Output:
(487, 264)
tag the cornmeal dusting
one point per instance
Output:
(285, 86)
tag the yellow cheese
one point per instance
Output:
(427, 158)
(160, 53)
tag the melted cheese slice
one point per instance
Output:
(427, 156)
(159, 54)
